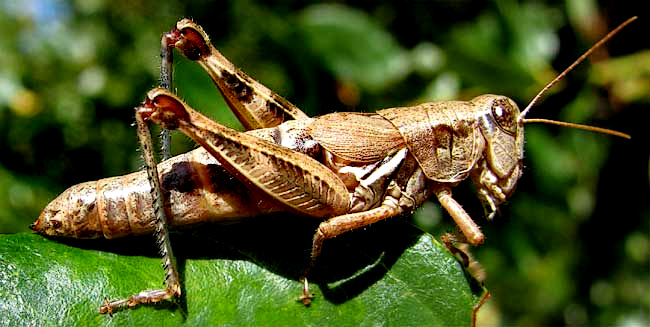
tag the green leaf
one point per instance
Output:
(240, 274)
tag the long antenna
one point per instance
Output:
(577, 126)
(566, 71)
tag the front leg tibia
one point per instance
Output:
(467, 226)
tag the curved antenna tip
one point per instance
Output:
(573, 65)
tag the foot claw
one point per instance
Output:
(307, 296)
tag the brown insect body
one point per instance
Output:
(349, 169)
(201, 190)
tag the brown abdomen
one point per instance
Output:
(198, 190)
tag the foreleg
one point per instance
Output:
(467, 226)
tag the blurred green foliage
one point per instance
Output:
(571, 247)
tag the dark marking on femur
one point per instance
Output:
(242, 91)
(275, 111)
(220, 178)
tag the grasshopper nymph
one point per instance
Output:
(347, 169)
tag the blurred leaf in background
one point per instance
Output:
(570, 248)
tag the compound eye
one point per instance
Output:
(505, 114)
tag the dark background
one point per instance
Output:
(572, 245)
